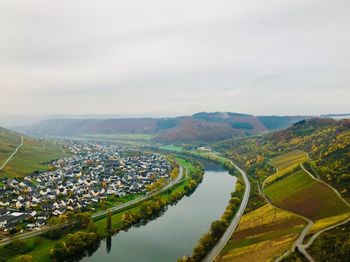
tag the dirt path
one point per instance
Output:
(14, 153)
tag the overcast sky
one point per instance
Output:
(159, 57)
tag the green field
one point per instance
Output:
(8, 143)
(289, 159)
(171, 148)
(130, 137)
(288, 185)
(285, 164)
(31, 157)
(304, 195)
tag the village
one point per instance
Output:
(90, 175)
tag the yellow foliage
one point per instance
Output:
(262, 251)
(328, 221)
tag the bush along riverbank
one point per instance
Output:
(63, 244)
(217, 228)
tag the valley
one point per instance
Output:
(295, 205)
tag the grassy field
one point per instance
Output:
(262, 235)
(289, 159)
(8, 143)
(325, 222)
(301, 194)
(31, 157)
(130, 137)
(171, 148)
(285, 164)
(288, 185)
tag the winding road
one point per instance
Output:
(15, 152)
(231, 228)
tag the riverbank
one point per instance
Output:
(212, 242)
(39, 247)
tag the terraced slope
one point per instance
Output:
(285, 164)
(262, 235)
(301, 193)
(289, 159)
(327, 142)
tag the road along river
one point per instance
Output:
(175, 232)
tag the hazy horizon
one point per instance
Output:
(159, 58)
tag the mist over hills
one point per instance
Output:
(203, 126)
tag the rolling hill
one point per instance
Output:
(327, 142)
(200, 127)
(295, 167)
(31, 155)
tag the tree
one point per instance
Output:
(199, 252)
(92, 227)
(24, 258)
(73, 244)
(59, 251)
(83, 219)
(109, 221)
(218, 228)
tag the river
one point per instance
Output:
(175, 232)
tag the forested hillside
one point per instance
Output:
(286, 163)
(326, 141)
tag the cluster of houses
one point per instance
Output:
(90, 174)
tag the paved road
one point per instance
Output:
(312, 239)
(15, 152)
(139, 199)
(101, 213)
(299, 242)
(231, 228)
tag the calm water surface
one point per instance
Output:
(177, 231)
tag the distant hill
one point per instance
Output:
(30, 157)
(200, 127)
(279, 122)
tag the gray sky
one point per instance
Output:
(159, 57)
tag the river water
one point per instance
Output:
(176, 232)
